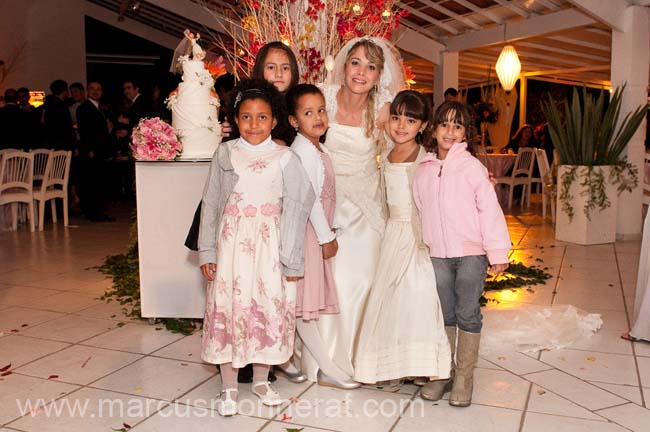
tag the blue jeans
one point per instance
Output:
(460, 284)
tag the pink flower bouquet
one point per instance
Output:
(153, 139)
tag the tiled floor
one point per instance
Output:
(106, 372)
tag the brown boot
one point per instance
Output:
(466, 358)
(434, 390)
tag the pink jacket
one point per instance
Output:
(460, 213)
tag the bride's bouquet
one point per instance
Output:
(153, 139)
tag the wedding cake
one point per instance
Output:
(194, 108)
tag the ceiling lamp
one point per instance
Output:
(508, 67)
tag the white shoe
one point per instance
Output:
(270, 398)
(227, 406)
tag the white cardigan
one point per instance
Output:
(315, 168)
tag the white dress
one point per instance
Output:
(641, 327)
(403, 331)
(359, 223)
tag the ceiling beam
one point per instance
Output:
(428, 19)
(413, 42)
(194, 12)
(481, 11)
(567, 71)
(468, 22)
(536, 26)
(513, 7)
(549, 4)
(609, 12)
(130, 26)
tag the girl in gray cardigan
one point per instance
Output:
(256, 203)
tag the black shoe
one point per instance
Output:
(245, 375)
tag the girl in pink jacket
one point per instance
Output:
(465, 230)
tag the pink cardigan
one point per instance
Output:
(460, 213)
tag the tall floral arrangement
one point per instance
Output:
(314, 29)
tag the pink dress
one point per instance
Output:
(317, 292)
(250, 307)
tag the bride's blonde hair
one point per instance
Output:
(375, 55)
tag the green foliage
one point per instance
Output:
(588, 134)
(124, 270)
(518, 275)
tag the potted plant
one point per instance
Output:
(592, 171)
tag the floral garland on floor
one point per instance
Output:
(124, 269)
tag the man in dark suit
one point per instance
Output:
(14, 123)
(94, 150)
(140, 106)
(59, 131)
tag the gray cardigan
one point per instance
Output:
(297, 201)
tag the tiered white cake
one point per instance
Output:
(194, 111)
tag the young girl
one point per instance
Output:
(394, 342)
(255, 206)
(317, 291)
(465, 230)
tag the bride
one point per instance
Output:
(367, 74)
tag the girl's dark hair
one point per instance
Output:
(293, 96)
(255, 89)
(295, 93)
(260, 59)
(460, 113)
(412, 104)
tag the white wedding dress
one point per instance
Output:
(360, 225)
(641, 326)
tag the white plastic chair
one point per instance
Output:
(40, 162)
(54, 185)
(16, 184)
(548, 195)
(521, 174)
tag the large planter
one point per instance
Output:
(600, 226)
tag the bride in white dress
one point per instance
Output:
(366, 76)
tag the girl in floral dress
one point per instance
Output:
(255, 207)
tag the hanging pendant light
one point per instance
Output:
(508, 67)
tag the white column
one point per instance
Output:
(631, 63)
(445, 76)
(523, 98)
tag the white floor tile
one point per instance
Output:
(19, 390)
(183, 418)
(65, 302)
(440, 417)
(97, 410)
(330, 408)
(631, 393)
(18, 350)
(589, 299)
(79, 364)
(518, 363)
(22, 277)
(644, 370)
(607, 341)
(631, 416)
(70, 328)
(546, 402)
(207, 392)
(642, 348)
(543, 423)
(284, 426)
(17, 319)
(157, 378)
(613, 320)
(17, 295)
(593, 366)
(575, 390)
(188, 349)
(111, 310)
(135, 337)
(500, 389)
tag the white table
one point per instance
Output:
(499, 164)
(171, 284)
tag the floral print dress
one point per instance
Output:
(250, 310)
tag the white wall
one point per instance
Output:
(53, 36)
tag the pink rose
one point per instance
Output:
(269, 209)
